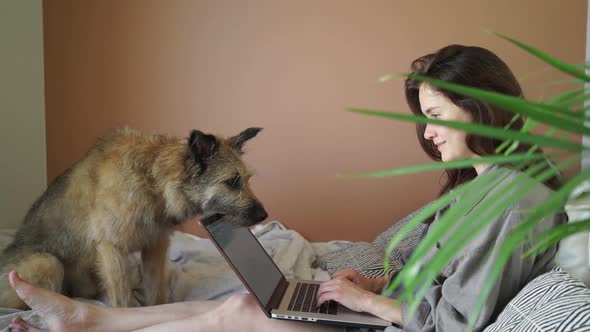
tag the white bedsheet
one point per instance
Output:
(200, 272)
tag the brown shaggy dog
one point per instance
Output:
(125, 196)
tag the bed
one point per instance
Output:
(198, 271)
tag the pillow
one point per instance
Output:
(554, 301)
(573, 254)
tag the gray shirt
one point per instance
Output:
(450, 300)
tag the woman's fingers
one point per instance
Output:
(327, 296)
(333, 287)
(325, 287)
(344, 292)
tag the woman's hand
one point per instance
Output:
(345, 292)
(349, 288)
(370, 284)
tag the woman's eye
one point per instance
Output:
(434, 116)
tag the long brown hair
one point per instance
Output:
(475, 67)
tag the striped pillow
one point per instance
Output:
(553, 301)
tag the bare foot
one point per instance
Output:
(20, 325)
(57, 311)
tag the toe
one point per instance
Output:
(14, 279)
(17, 325)
(21, 287)
(16, 282)
(20, 325)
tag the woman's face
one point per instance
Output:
(451, 143)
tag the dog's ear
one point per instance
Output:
(241, 138)
(202, 147)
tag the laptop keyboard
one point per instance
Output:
(304, 299)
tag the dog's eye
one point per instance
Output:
(234, 182)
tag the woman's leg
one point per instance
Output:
(62, 313)
(238, 313)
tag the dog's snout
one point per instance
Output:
(263, 215)
(257, 213)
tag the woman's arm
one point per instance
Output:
(385, 308)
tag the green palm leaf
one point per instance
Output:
(574, 101)
(444, 225)
(420, 217)
(564, 67)
(465, 163)
(551, 206)
(478, 129)
(500, 202)
(545, 113)
(567, 96)
(460, 234)
(554, 235)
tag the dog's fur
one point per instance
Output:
(125, 196)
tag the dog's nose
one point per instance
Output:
(258, 213)
(263, 215)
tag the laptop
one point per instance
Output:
(278, 297)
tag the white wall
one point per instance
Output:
(22, 109)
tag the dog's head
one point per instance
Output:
(217, 179)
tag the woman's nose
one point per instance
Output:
(429, 132)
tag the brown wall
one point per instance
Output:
(291, 67)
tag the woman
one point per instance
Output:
(448, 302)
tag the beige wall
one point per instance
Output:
(22, 116)
(291, 67)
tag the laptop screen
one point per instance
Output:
(247, 256)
